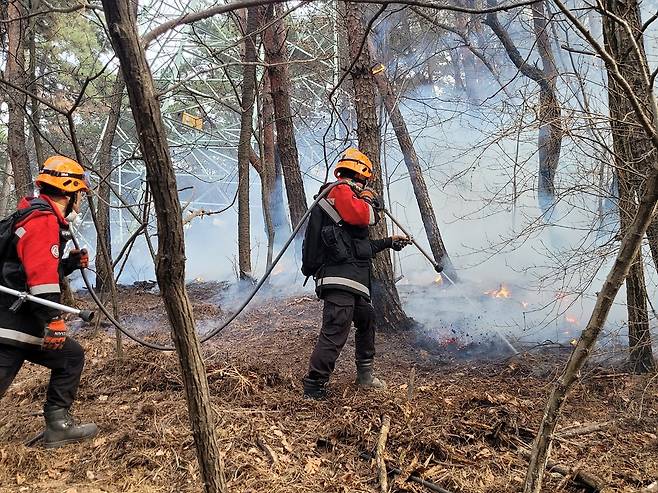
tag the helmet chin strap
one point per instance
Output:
(69, 207)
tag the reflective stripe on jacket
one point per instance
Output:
(33, 265)
(348, 249)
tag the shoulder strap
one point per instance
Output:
(330, 210)
(36, 204)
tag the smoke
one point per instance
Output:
(480, 163)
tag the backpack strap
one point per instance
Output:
(36, 204)
(330, 210)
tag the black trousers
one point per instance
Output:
(340, 310)
(65, 370)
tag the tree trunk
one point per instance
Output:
(634, 156)
(276, 56)
(279, 212)
(244, 146)
(550, 123)
(549, 142)
(652, 236)
(35, 108)
(105, 282)
(415, 172)
(16, 100)
(170, 260)
(390, 315)
(628, 250)
(269, 172)
(105, 272)
(5, 189)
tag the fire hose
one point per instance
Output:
(217, 330)
(88, 315)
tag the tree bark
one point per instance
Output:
(105, 282)
(390, 315)
(105, 272)
(643, 113)
(549, 142)
(634, 156)
(626, 256)
(550, 122)
(244, 146)
(432, 231)
(276, 56)
(652, 236)
(16, 100)
(267, 152)
(5, 190)
(170, 260)
(35, 107)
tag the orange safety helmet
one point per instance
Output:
(356, 161)
(62, 173)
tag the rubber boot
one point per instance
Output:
(315, 389)
(365, 377)
(61, 429)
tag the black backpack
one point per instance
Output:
(8, 224)
(313, 251)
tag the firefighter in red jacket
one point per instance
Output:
(32, 331)
(344, 280)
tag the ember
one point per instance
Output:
(502, 292)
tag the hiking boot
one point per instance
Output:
(61, 429)
(315, 389)
(365, 377)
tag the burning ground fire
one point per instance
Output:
(502, 292)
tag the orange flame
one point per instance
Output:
(502, 292)
(438, 280)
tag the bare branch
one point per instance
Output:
(524, 67)
(192, 17)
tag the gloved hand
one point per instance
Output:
(399, 242)
(77, 259)
(55, 334)
(369, 195)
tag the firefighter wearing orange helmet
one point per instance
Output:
(33, 263)
(343, 280)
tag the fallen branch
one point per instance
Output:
(381, 447)
(582, 430)
(583, 478)
(268, 450)
(36, 438)
(413, 478)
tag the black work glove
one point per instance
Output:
(377, 204)
(77, 259)
(399, 242)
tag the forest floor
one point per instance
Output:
(458, 423)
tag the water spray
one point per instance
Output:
(22, 297)
(438, 268)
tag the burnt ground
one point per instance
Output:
(459, 424)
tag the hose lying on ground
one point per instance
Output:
(217, 330)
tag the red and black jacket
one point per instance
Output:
(34, 265)
(347, 246)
